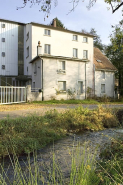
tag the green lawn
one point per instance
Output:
(90, 101)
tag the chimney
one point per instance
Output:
(39, 48)
(54, 22)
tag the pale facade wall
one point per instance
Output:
(36, 75)
(10, 47)
(62, 44)
(108, 81)
(75, 71)
(33, 96)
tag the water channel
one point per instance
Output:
(87, 141)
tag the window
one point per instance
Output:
(80, 87)
(27, 50)
(85, 39)
(62, 86)
(75, 52)
(61, 67)
(102, 88)
(75, 37)
(47, 32)
(85, 54)
(3, 39)
(103, 74)
(3, 54)
(3, 66)
(47, 48)
(3, 25)
(35, 69)
(27, 36)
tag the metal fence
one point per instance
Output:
(10, 94)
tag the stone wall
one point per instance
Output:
(33, 96)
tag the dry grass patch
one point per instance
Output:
(23, 106)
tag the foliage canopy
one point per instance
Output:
(46, 4)
(114, 52)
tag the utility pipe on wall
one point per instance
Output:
(94, 77)
(42, 81)
(85, 81)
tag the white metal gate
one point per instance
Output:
(10, 94)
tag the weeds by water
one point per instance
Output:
(84, 169)
(81, 170)
(110, 168)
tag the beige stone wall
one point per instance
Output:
(33, 96)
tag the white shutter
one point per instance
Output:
(48, 49)
(60, 86)
(102, 88)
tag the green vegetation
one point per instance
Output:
(96, 100)
(81, 171)
(33, 132)
(110, 169)
(84, 170)
(90, 101)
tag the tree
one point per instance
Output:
(46, 4)
(97, 40)
(114, 52)
(114, 4)
(58, 23)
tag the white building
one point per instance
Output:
(63, 59)
(104, 75)
(11, 52)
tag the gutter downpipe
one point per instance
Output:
(42, 82)
(85, 81)
(42, 90)
(94, 79)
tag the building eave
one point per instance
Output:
(59, 57)
(107, 70)
(10, 21)
(62, 29)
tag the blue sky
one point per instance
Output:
(98, 17)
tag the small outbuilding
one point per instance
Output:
(104, 75)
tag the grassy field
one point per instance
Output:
(23, 135)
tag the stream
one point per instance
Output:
(81, 145)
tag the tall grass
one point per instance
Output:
(33, 132)
(84, 169)
(110, 168)
(81, 171)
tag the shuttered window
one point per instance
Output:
(80, 87)
(85, 54)
(102, 88)
(62, 86)
(47, 48)
(75, 53)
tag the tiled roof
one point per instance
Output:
(101, 61)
